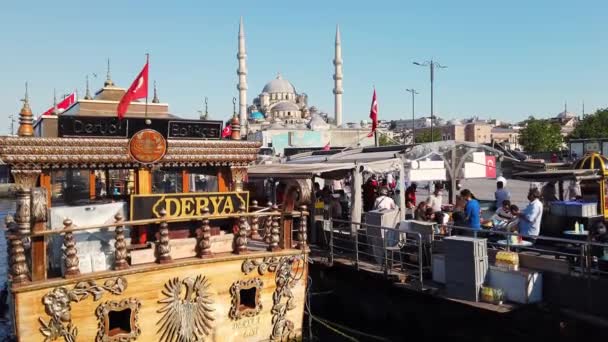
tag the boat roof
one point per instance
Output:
(557, 175)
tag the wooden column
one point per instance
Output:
(223, 179)
(274, 232)
(255, 222)
(24, 181)
(144, 187)
(268, 225)
(39, 210)
(204, 244)
(92, 184)
(120, 252)
(163, 249)
(185, 181)
(71, 258)
(303, 227)
(45, 182)
(240, 238)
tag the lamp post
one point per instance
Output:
(414, 92)
(432, 65)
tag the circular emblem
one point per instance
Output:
(147, 146)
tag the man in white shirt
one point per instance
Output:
(501, 193)
(530, 218)
(435, 200)
(383, 202)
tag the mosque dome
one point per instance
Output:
(285, 107)
(256, 116)
(454, 122)
(279, 85)
(565, 115)
(317, 123)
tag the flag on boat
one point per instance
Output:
(63, 105)
(373, 114)
(326, 147)
(137, 90)
(227, 131)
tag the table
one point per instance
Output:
(523, 243)
(584, 233)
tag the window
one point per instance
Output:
(70, 186)
(167, 181)
(200, 182)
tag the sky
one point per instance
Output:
(505, 60)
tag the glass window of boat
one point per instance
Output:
(114, 183)
(167, 181)
(70, 186)
(200, 182)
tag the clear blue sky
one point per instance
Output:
(505, 60)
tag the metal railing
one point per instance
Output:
(385, 250)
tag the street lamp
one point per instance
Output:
(432, 65)
(414, 92)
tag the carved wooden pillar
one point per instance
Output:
(17, 261)
(71, 259)
(24, 181)
(268, 225)
(9, 223)
(255, 222)
(163, 250)
(236, 128)
(120, 252)
(275, 232)
(238, 175)
(302, 230)
(204, 244)
(240, 238)
(39, 218)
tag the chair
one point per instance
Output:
(396, 248)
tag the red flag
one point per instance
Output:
(490, 166)
(63, 105)
(227, 131)
(326, 147)
(373, 114)
(137, 90)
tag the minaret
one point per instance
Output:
(242, 72)
(108, 82)
(338, 91)
(26, 119)
(87, 95)
(155, 99)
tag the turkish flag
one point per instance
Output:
(490, 167)
(137, 90)
(227, 131)
(373, 114)
(63, 105)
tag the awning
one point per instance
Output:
(330, 170)
(557, 175)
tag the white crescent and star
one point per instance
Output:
(140, 82)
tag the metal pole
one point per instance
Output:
(357, 249)
(331, 241)
(413, 119)
(432, 66)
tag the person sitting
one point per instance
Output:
(501, 193)
(504, 212)
(514, 222)
(429, 214)
(383, 202)
(420, 213)
(410, 209)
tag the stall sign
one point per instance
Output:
(147, 146)
(185, 205)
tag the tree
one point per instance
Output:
(425, 136)
(540, 136)
(384, 140)
(592, 126)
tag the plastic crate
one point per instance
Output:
(581, 209)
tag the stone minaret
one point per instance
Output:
(26, 118)
(242, 72)
(338, 80)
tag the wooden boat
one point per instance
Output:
(195, 266)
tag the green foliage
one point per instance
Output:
(425, 136)
(592, 126)
(541, 136)
(384, 140)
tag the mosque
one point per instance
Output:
(281, 117)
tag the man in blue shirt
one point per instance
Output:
(471, 209)
(530, 219)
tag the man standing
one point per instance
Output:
(435, 200)
(410, 193)
(471, 209)
(383, 202)
(530, 218)
(501, 193)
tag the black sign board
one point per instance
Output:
(185, 205)
(111, 127)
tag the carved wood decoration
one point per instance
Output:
(268, 226)
(238, 310)
(240, 238)
(238, 175)
(205, 237)
(187, 311)
(302, 236)
(24, 181)
(71, 258)
(290, 271)
(39, 217)
(19, 268)
(103, 316)
(274, 231)
(120, 252)
(57, 304)
(255, 226)
(45, 153)
(39, 206)
(163, 249)
(268, 264)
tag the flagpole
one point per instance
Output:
(147, 88)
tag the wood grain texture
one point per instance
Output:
(146, 285)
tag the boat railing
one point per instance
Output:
(579, 253)
(390, 252)
(263, 229)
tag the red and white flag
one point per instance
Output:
(137, 90)
(63, 105)
(326, 147)
(373, 114)
(227, 131)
